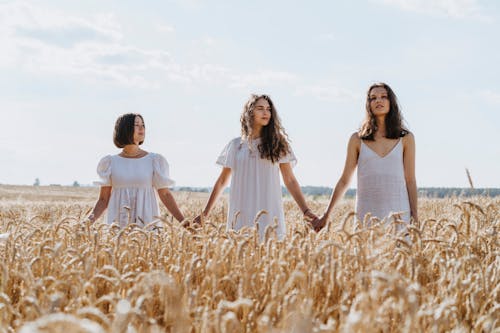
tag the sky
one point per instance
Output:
(68, 69)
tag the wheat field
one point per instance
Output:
(59, 275)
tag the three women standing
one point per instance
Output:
(383, 150)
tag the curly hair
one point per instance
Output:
(393, 121)
(274, 140)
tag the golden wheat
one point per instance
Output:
(58, 274)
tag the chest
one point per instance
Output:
(382, 147)
(250, 158)
(132, 172)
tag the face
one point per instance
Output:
(139, 130)
(379, 101)
(261, 113)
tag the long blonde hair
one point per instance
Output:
(274, 140)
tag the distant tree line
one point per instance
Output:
(316, 191)
(431, 192)
(445, 192)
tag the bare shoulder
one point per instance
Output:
(408, 140)
(355, 140)
(354, 144)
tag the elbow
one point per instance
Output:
(222, 182)
(291, 184)
(411, 181)
(288, 181)
(103, 200)
(342, 183)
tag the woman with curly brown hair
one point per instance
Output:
(253, 162)
(383, 150)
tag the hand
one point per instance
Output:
(320, 223)
(90, 219)
(198, 220)
(309, 215)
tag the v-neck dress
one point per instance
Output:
(133, 181)
(255, 186)
(381, 184)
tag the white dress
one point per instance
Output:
(255, 186)
(381, 184)
(133, 182)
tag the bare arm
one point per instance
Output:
(169, 201)
(101, 204)
(340, 188)
(350, 165)
(409, 169)
(219, 186)
(293, 187)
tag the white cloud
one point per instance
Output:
(26, 22)
(39, 40)
(327, 92)
(163, 27)
(262, 78)
(328, 36)
(50, 41)
(458, 9)
(491, 96)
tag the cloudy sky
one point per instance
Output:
(68, 69)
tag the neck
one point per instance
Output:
(380, 127)
(131, 150)
(256, 132)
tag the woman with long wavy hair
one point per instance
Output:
(253, 162)
(383, 151)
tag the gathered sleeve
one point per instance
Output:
(104, 171)
(289, 158)
(227, 157)
(161, 173)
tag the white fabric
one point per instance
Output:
(381, 184)
(255, 186)
(133, 182)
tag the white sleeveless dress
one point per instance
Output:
(133, 181)
(255, 186)
(381, 184)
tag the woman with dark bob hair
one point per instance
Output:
(383, 150)
(129, 179)
(254, 162)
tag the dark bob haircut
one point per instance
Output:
(124, 130)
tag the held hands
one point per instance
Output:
(198, 220)
(309, 216)
(320, 223)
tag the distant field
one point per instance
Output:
(59, 275)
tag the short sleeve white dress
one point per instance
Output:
(133, 181)
(255, 186)
(381, 184)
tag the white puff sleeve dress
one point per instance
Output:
(133, 181)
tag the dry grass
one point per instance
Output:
(59, 276)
